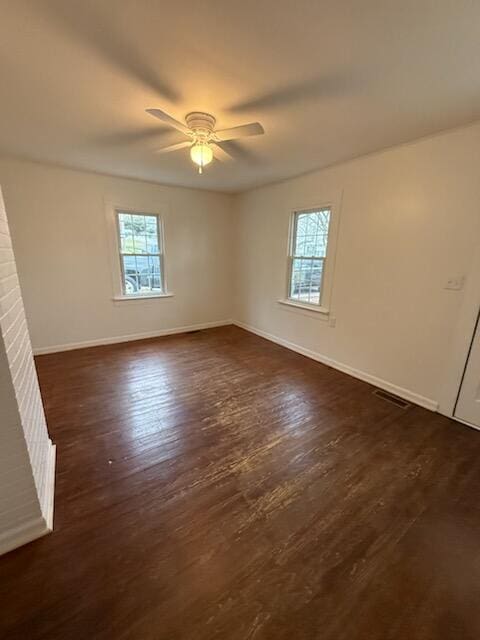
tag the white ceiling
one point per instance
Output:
(329, 80)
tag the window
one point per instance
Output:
(308, 255)
(141, 253)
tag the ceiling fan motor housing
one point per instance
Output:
(204, 141)
(202, 124)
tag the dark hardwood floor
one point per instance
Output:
(215, 485)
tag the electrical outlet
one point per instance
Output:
(455, 283)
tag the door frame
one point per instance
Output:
(476, 334)
(460, 344)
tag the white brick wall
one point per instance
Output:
(26, 452)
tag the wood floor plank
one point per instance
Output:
(216, 485)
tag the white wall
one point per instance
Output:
(26, 452)
(59, 231)
(410, 219)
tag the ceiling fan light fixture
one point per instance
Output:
(199, 128)
(201, 154)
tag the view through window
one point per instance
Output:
(308, 255)
(140, 253)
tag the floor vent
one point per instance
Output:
(389, 397)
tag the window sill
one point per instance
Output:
(143, 297)
(305, 307)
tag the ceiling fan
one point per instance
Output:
(204, 141)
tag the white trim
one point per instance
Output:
(112, 207)
(467, 424)
(23, 534)
(334, 205)
(50, 486)
(406, 394)
(160, 243)
(40, 525)
(145, 296)
(127, 338)
(305, 307)
(461, 338)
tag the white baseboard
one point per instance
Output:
(406, 394)
(40, 525)
(26, 532)
(467, 424)
(50, 487)
(128, 338)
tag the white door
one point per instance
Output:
(468, 405)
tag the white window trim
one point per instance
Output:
(316, 308)
(143, 296)
(324, 307)
(112, 209)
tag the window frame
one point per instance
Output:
(323, 306)
(118, 212)
(115, 254)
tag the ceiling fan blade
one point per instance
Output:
(135, 136)
(244, 130)
(164, 117)
(335, 85)
(91, 24)
(219, 153)
(174, 147)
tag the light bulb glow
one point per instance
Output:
(201, 154)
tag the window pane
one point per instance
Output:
(311, 235)
(125, 228)
(138, 233)
(131, 283)
(138, 228)
(306, 281)
(142, 274)
(151, 234)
